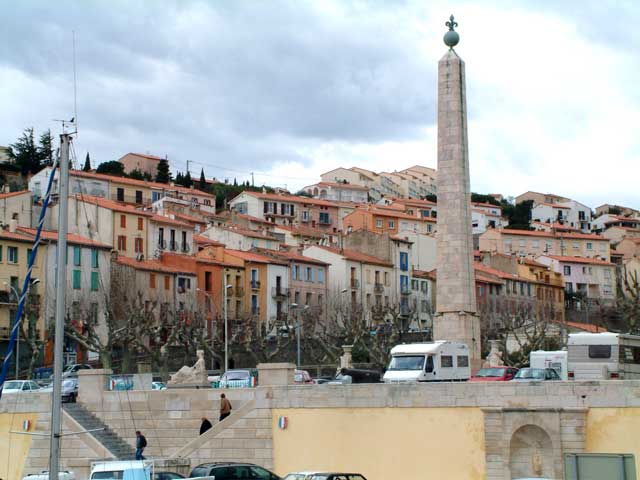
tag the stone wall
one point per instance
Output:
(511, 419)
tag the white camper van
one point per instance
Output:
(428, 362)
(603, 356)
(550, 359)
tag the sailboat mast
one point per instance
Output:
(61, 289)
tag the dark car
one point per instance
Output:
(356, 375)
(232, 471)
(535, 374)
(167, 476)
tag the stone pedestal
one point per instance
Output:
(346, 360)
(92, 383)
(274, 374)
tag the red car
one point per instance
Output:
(494, 374)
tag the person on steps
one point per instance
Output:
(141, 443)
(225, 407)
(206, 425)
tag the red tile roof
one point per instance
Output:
(587, 327)
(254, 257)
(170, 221)
(291, 256)
(13, 194)
(249, 233)
(592, 261)
(112, 205)
(151, 265)
(15, 236)
(483, 204)
(356, 256)
(302, 231)
(72, 238)
(202, 240)
(141, 183)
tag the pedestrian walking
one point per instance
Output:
(225, 407)
(205, 425)
(141, 444)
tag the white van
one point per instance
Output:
(603, 356)
(122, 470)
(550, 359)
(428, 362)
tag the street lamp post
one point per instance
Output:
(34, 281)
(295, 306)
(226, 327)
(210, 325)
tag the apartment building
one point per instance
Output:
(534, 243)
(629, 247)
(144, 163)
(287, 209)
(339, 192)
(241, 238)
(485, 216)
(423, 301)
(357, 278)
(617, 210)
(15, 206)
(266, 281)
(608, 220)
(537, 197)
(387, 220)
(167, 234)
(415, 207)
(592, 278)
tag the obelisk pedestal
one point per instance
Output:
(456, 317)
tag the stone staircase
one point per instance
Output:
(109, 439)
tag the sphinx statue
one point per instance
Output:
(196, 375)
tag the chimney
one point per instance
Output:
(13, 225)
(6, 189)
(264, 190)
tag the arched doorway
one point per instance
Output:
(531, 453)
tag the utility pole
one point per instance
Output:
(252, 184)
(61, 284)
(188, 161)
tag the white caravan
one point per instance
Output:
(428, 362)
(603, 356)
(550, 359)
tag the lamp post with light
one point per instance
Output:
(297, 308)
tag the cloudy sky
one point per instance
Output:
(290, 89)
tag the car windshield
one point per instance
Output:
(199, 472)
(534, 373)
(114, 475)
(407, 362)
(490, 372)
(13, 385)
(298, 377)
(236, 375)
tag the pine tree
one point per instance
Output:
(187, 181)
(87, 164)
(203, 181)
(24, 153)
(45, 149)
(164, 174)
(180, 179)
(235, 182)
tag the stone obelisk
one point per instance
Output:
(456, 317)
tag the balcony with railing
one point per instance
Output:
(7, 297)
(405, 290)
(162, 244)
(280, 292)
(230, 291)
(255, 284)
(239, 291)
(173, 245)
(355, 283)
(185, 247)
(131, 199)
(378, 288)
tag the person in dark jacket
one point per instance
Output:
(206, 425)
(141, 443)
(225, 407)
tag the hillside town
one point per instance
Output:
(172, 261)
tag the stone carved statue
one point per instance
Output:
(191, 375)
(494, 359)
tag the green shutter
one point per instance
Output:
(95, 281)
(0, 253)
(94, 258)
(77, 254)
(76, 279)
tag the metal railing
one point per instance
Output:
(355, 283)
(378, 288)
(185, 247)
(279, 292)
(173, 245)
(255, 284)
(239, 291)
(162, 244)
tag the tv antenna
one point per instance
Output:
(73, 123)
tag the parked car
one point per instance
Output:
(167, 476)
(302, 377)
(324, 476)
(20, 386)
(494, 374)
(232, 471)
(158, 386)
(535, 374)
(73, 369)
(43, 375)
(237, 378)
(44, 475)
(69, 389)
(322, 380)
(121, 470)
(355, 375)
